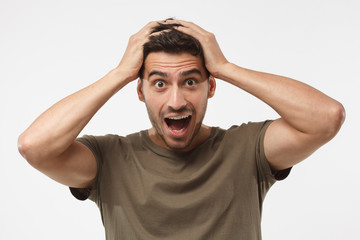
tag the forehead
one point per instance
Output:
(172, 63)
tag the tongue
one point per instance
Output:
(176, 124)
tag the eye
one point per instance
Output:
(160, 84)
(190, 82)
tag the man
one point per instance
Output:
(180, 179)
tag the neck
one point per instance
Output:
(202, 135)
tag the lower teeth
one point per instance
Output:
(177, 131)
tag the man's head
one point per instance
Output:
(175, 87)
(173, 41)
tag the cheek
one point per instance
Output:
(199, 102)
(154, 104)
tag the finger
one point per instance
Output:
(148, 28)
(159, 33)
(199, 35)
(187, 24)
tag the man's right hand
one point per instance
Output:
(132, 60)
(49, 143)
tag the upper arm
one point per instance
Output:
(76, 167)
(285, 146)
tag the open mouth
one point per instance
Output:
(178, 124)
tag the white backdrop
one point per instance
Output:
(49, 49)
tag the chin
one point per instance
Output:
(178, 147)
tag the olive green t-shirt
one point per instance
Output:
(215, 191)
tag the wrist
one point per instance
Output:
(122, 75)
(117, 79)
(223, 71)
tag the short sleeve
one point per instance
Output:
(265, 173)
(82, 194)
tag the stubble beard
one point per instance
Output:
(157, 126)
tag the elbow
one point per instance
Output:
(22, 145)
(27, 149)
(334, 121)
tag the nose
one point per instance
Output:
(176, 99)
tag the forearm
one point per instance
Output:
(56, 129)
(303, 107)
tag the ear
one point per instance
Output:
(212, 86)
(140, 91)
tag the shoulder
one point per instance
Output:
(249, 129)
(98, 140)
(108, 141)
(244, 136)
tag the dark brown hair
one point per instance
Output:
(171, 41)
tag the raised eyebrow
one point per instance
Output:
(155, 72)
(191, 71)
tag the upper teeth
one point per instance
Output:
(178, 117)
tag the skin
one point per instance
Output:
(177, 87)
(49, 145)
(308, 118)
